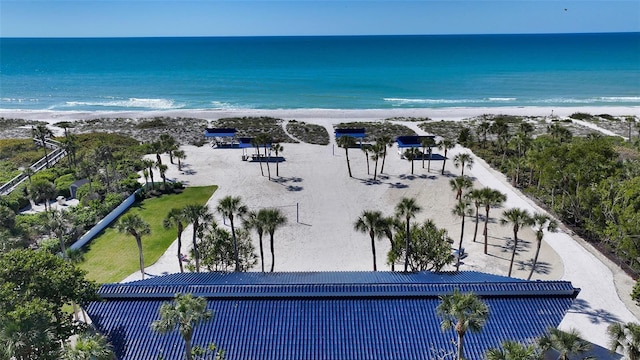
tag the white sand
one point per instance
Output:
(315, 178)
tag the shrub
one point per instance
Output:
(63, 183)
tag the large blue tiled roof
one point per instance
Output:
(335, 315)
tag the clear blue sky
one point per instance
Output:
(95, 18)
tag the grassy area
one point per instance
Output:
(112, 256)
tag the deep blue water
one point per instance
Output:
(339, 72)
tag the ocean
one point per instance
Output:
(321, 72)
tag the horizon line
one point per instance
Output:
(312, 35)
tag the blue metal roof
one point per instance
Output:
(220, 132)
(335, 315)
(411, 141)
(353, 132)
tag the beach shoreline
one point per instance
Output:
(449, 113)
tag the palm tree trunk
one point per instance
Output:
(423, 150)
(261, 251)
(180, 229)
(187, 349)
(375, 169)
(475, 232)
(486, 233)
(444, 162)
(384, 156)
(515, 247)
(235, 243)
(141, 255)
(346, 152)
(460, 243)
(273, 256)
(535, 260)
(393, 264)
(196, 253)
(429, 162)
(260, 160)
(411, 166)
(460, 346)
(268, 158)
(406, 248)
(373, 249)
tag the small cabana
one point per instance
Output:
(221, 136)
(355, 133)
(411, 141)
(245, 143)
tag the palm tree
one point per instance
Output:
(169, 145)
(184, 315)
(180, 155)
(460, 184)
(256, 142)
(176, 217)
(371, 222)
(462, 159)
(278, 148)
(445, 145)
(388, 225)
(41, 132)
(518, 218)
(273, 219)
(490, 198)
(462, 312)
(346, 142)
(157, 148)
(230, 207)
(407, 209)
(512, 350)
(134, 225)
(28, 172)
(411, 154)
(541, 222)
(150, 164)
(162, 168)
(482, 130)
(385, 142)
(462, 209)
(198, 215)
(365, 149)
(427, 143)
(58, 223)
(475, 196)
(255, 220)
(42, 190)
(378, 151)
(625, 337)
(566, 343)
(89, 347)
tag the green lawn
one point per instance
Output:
(112, 256)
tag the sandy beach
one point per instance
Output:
(321, 202)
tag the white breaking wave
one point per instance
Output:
(162, 104)
(402, 101)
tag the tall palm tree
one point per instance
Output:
(379, 149)
(89, 347)
(411, 154)
(385, 142)
(255, 220)
(184, 315)
(462, 312)
(273, 219)
(482, 131)
(134, 225)
(566, 343)
(517, 218)
(541, 222)
(346, 142)
(475, 196)
(371, 222)
(59, 223)
(625, 337)
(445, 144)
(278, 148)
(162, 168)
(256, 142)
(462, 209)
(490, 198)
(388, 225)
(157, 148)
(427, 143)
(512, 350)
(230, 207)
(461, 160)
(149, 164)
(197, 215)
(169, 145)
(41, 132)
(366, 149)
(459, 185)
(176, 217)
(180, 155)
(407, 209)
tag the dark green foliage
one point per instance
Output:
(465, 137)
(635, 294)
(62, 184)
(430, 248)
(309, 133)
(152, 123)
(378, 129)
(34, 286)
(581, 116)
(217, 252)
(254, 126)
(16, 200)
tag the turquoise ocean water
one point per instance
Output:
(343, 72)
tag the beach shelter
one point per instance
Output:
(326, 315)
(358, 133)
(221, 137)
(411, 141)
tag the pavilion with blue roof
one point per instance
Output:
(327, 315)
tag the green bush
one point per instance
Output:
(635, 294)
(16, 200)
(62, 184)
